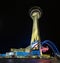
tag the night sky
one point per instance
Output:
(16, 24)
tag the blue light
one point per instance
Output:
(22, 53)
(3, 55)
(35, 52)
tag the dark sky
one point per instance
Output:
(16, 24)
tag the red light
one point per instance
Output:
(44, 49)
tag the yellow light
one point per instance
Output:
(35, 32)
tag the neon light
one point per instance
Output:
(52, 45)
(44, 49)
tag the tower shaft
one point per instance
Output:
(35, 31)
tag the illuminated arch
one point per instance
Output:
(52, 45)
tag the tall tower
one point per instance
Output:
(35, 14)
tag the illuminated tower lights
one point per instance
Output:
(35, 14)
